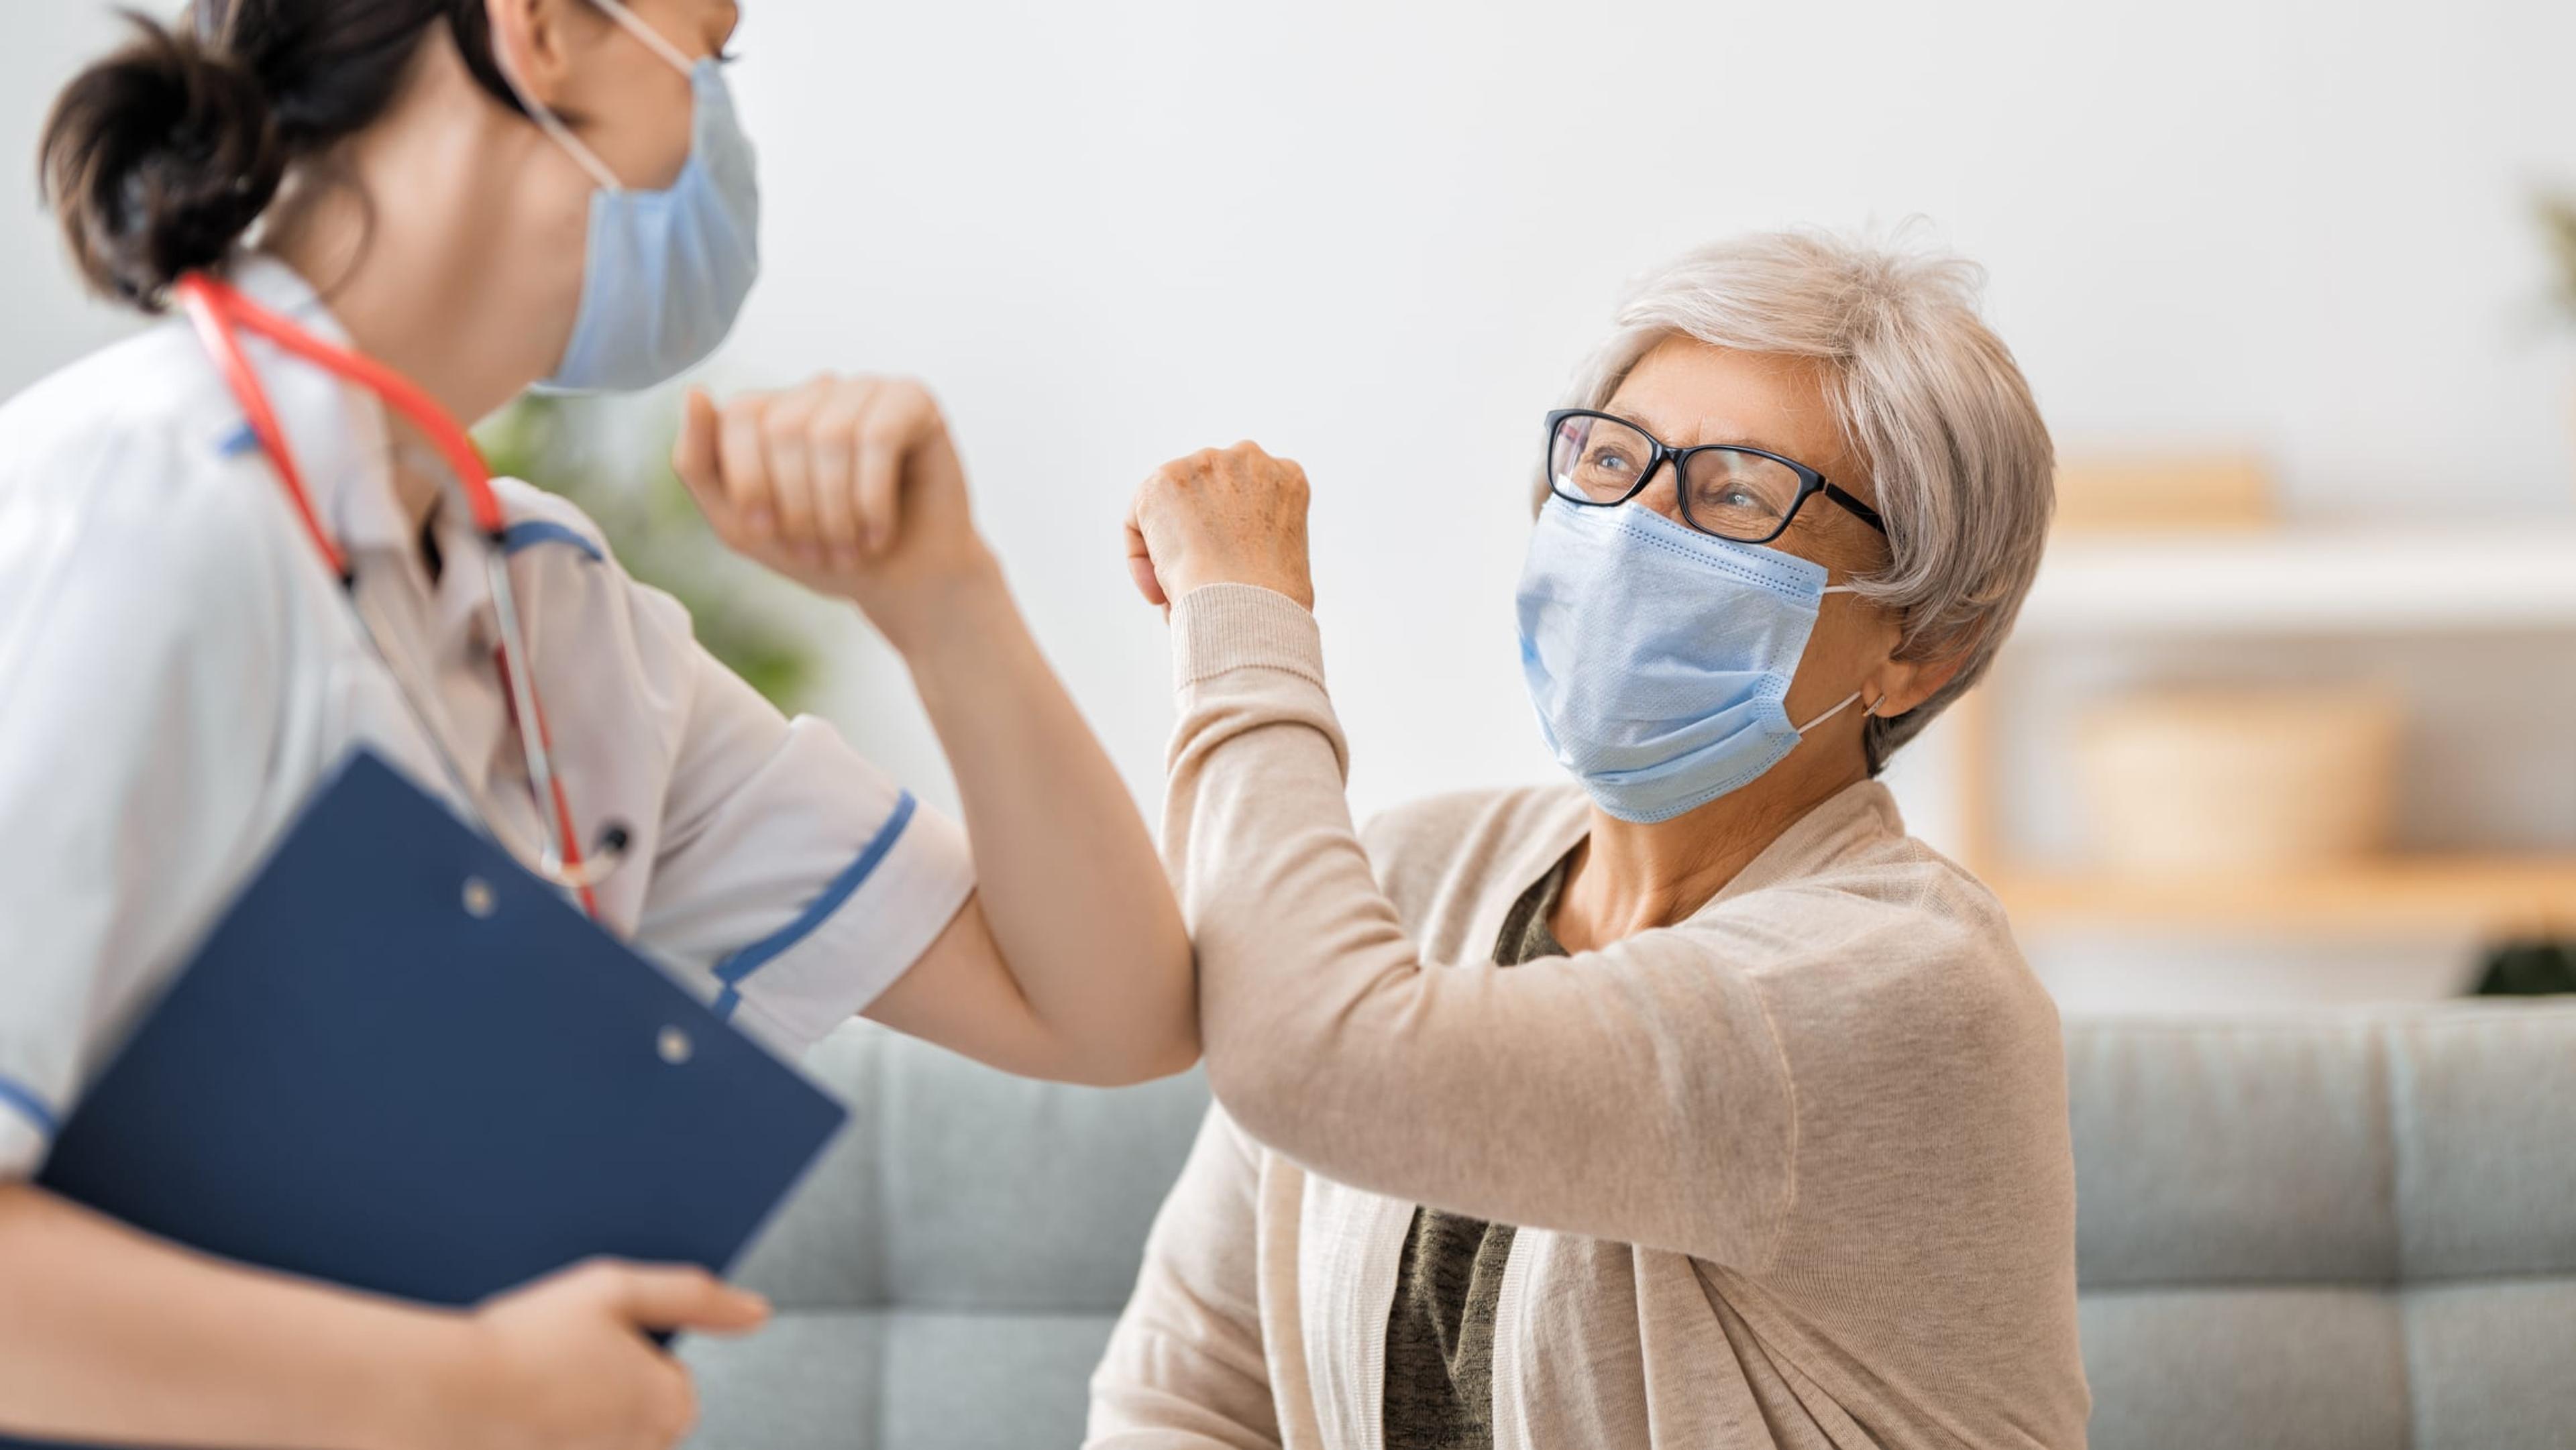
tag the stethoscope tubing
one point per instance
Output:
(220, 314)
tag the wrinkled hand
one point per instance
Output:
(564, 1364)
(1231, 517)
(849, 486)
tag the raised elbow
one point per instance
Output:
(1260, 1091)
(1169, 1059)
(1135, 1060)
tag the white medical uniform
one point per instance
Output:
(179, 671)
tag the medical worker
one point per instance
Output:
(251, 539)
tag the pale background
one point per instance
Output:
(1113, 232)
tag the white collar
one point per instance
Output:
(343, 449)
(336, 428)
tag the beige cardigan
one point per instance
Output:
(1793, 1173)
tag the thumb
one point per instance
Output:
(1140, 566)
(683, 1298)
(694, 456)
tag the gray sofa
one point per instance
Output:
(2346, 1233)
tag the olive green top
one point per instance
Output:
(1440, 1339)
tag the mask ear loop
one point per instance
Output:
(1813, 725)
(550, 123)
(653, 39)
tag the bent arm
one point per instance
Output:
(1072, 963)
(1635, 1094)
(111, 1337)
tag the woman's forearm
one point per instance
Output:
(1072, 961)
(1069, 880)
(1632, 1094)
(108, 1336)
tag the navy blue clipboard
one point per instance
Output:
(403, 1064)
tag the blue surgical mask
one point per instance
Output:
(1660, 657)
(667, 271)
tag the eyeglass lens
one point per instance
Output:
(1734, 495)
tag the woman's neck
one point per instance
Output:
(1631, 878)
(446, 251)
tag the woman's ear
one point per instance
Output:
(528, 44)
(1902, 685)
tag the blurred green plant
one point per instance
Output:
(2558, 222)
(741, 611)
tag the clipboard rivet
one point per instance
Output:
(480, 902)
(675, 1047)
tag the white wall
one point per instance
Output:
(1117, 231)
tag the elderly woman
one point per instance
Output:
(1698, 1106)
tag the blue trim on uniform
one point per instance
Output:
(735, 970)
(242, 440)
(539, 531)
(31, 1107)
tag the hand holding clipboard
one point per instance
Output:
(404, 1066)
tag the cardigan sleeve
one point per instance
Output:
(1638, 1094)
(1187, 1368)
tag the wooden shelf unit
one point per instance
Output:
(2286, 586)
(2492, 896)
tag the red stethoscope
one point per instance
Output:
(222, 314)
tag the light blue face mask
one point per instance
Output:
(1659, 657)
(667, 271)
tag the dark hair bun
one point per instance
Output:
(158, 160)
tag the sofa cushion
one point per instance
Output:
(2355, 1230)
(906, 1380)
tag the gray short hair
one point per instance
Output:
(1928, 399)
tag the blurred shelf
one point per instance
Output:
(2491, 895)
(2306, 580)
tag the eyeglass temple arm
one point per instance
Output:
(1857, 509)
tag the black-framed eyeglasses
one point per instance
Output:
(1743, 495)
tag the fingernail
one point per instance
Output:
(845, 559)
(872, 541)
(809, 554)
(759, 521)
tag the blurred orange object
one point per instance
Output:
(2145, 490)
(2256, 782)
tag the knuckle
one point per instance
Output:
(835, 427)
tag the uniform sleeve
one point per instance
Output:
(140, 649)
(791, 870)
(1186, 1369)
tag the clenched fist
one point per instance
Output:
(1231, 517)
(849, 486)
